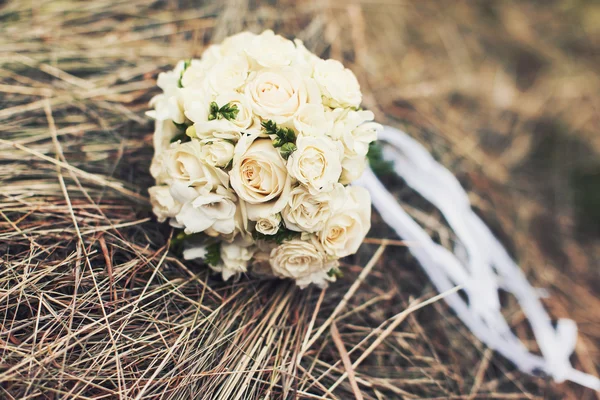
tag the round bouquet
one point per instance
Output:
(256, 145)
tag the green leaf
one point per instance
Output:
(378, 164)
(186, 65)
(287, 149)
(282, 235)
(213, 254)
(182, 137)
(228, 111)
(282, 137)
(335, 272)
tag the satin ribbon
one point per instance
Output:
(478, 262)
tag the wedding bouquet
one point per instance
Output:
(256, 144)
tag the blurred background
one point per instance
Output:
(506, 94)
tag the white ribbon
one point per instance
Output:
(479, 263)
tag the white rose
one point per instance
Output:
(352, 168)
(316, 162)
(306, 212)
(302, 260)
(228, 74)
(237, 43)
(259, 177)
(185, 162)
(195, 74)
(345, 230)
(277, 94)
(234, 259)
(304, 60)
(241, 234)
(163, 204)
(201, 210)
(270, 50)
(311, 120)
(338, 84)
(268, 225)
(217, 152)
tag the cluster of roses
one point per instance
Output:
(255, 145)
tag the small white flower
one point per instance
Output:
(236, 44)
(353, 167)
(306, 212)
(345, 230)
(277, 94)
(302, 260)
(185, 162)
(317, 162)
(234, 259)
(268, 225)
(310, 120)
(338, 84)
(163, 204)
(270, 50)
(201, 210)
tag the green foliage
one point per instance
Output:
(378, 164)
(287, 149)
(186, 65)
(282, 235)
(213, 254)
(335, 272)
(228, 111)
(285, 138)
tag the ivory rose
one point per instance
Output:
(185, 162)
(259, 177)
(306, 212)
(163, 204)
(317, 162)
(270, 50)
(310, 120)
(201, 211)
(277, 94)
(217, 152)
(338, 84)
(345, 230)
(268, 225)
(302, 260)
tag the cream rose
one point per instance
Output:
(306, 212)
(201, 210)
(302, 260)
(268, 225)
(317, 162)
(338, 84)
(311, 120)
(217, 152)
(259, 177)
(237, 43)
(185, 162)
(277, 94)
(163, 204)
(271, 51)
(345, 230)
(228, 74)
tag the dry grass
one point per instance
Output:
(92, 304)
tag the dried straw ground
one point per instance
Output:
(92, 304)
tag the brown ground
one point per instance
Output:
(505, 93)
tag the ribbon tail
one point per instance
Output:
(479, 263)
